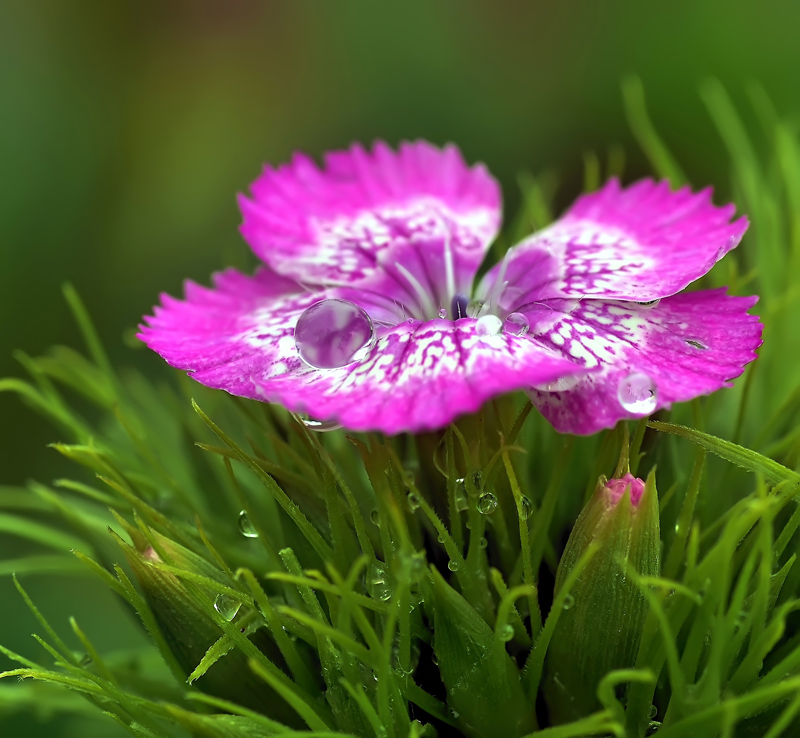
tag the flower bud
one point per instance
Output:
(189, 629)
(484, 690)
(601, 624)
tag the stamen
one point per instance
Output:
(424, 299)
(499, 285)
(449, 264)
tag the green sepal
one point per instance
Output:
(601, 625)
(484, 691)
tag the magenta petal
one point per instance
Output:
(328, 226)
(640, 243)
(415, 376)
(243, 328)
(687, 345)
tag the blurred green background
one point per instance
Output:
(126, 129)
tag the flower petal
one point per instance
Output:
(641, 243)
(687, 345)
(327, 226)
(417, 375)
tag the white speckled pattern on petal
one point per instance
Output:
(688, 345)
(641, 243)
(329, 226)
(417, 376)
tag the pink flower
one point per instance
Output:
(615, 489)
(367, 312)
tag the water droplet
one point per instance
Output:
(637, 394)
(487, 503)
(475, 308)
(653, 712)
(378, 584)
(442, 313)
(569, 601)
(696, 344)
(476, 478)
(506, 632)
(435, 658)
(454, 714)
(707, 639)
(226, 606)
(649, 303)
(375, 517)
(452, 565)
(321, 426)
(462, 502)
(333, 333)
(562, 384)
(488, 325)
(526, 507)
(516, 324)
(414, 501)
(440, 538)
(483, 543)
(245, 526)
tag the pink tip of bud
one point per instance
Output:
(150, 553)
(616, 489)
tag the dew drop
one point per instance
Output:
(245, 526)
(506, 633)
(653, 712)
(375, 517)
(321, 426)
(413, 501)
(378, 584)
(696, 344)
(569, 601)
(226, 606)
(442, 313)
(516, 324)
(477, 482)
(475, 308)
(562, 384)
(637, 394)
(333, 333)
(487, 503)
(452, 565)
(483, 543)
(649, 303)
(461, 501)
(525, 507)
(488, 325)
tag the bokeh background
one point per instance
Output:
(127, 127)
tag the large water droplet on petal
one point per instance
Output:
(488, 325)
(562, 384)
(333, 333)
(516, 324)
(637, 394)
